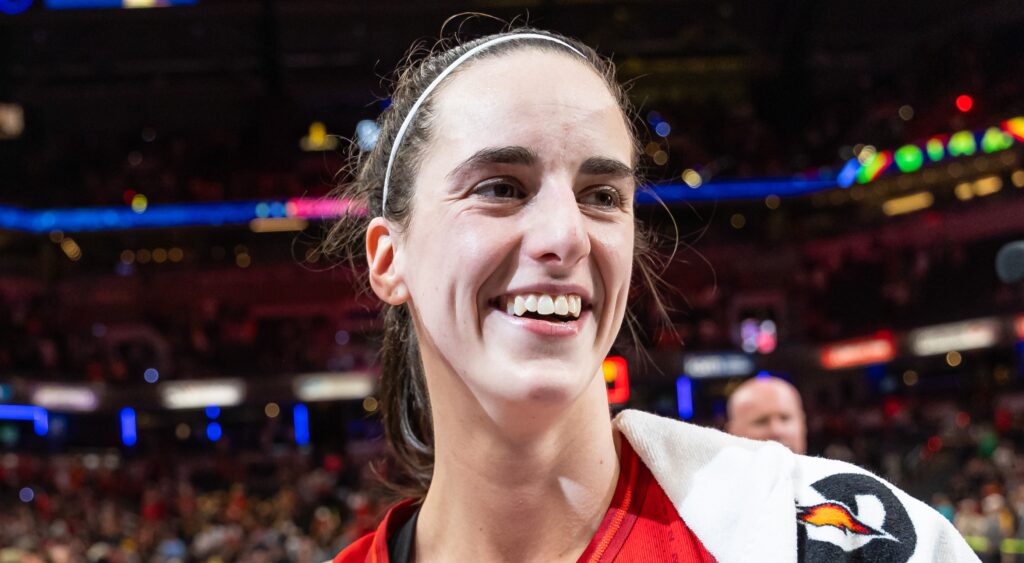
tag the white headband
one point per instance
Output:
(444, 73)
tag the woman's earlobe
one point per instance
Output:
(385, 277)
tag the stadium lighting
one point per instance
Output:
(727, 364)
(96, 4)
(111, 218)
(616, 375)
(953, 337)
(333, 386)
(908, 204)
(129, 433)
(684, 397)
(877, 349)
(300, 416)
(964, 103)
(200, 394)
(214, 431)
(75, 398)
(39, 416)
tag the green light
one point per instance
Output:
(962, 144)
(935, 149)
(995, 140)
(909, 158)
(864, 174)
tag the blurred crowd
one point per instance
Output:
(215, 507)
(36, 337)
(814, 300)
(962, 453)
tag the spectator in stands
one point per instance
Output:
(768, 408)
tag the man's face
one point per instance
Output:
(769, 410)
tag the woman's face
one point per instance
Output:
(518, 255)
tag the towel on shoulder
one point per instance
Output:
(748, 500)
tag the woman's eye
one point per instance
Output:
(500, 190)
(609, 198)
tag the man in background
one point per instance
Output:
(768, 408)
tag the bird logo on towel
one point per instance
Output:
(853, 517)
(837, 515)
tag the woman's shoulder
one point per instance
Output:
(374, 545)
(357, 551)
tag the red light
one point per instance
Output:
(934, 444)
(878, 349)
(333, 463)
(1019, 326)
(891, 407)
(1004, 420)
(964, 103)
(963, 420)
(127, 196)
(616, 376)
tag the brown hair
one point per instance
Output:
(405, 405)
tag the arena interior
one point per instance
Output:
(184, 376)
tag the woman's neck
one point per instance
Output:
(522, 497)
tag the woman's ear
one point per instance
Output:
(385, 279)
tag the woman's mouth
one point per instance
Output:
(552, 308)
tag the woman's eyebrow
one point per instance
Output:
(496, 155)
(604, 166)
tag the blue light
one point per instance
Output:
(68, 4)
(86, 219)
(300, 415)
(214, 431)
(41, 421)
(38, 415)
(14, 6)
(26, 494)
(848, 175)
(684, 397)
(763, 375)
(80, 4)
(212, 412)
(726, 190)
(80, 219)
(367, 132)
(663, 129)
(876, 371)
(129, 434)
(151, 375)
(58, 425)
(653, 118)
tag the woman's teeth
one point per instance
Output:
(544, 304)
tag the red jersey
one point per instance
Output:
(641, 525)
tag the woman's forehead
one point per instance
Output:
(530, 95)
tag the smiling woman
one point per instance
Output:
(501, 237)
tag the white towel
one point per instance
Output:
(757, 501)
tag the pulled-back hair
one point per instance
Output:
(404, 401)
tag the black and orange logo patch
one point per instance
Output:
(835, 515)
(890, 537)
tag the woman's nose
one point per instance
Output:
(556, 231)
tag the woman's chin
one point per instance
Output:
(536, 387)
